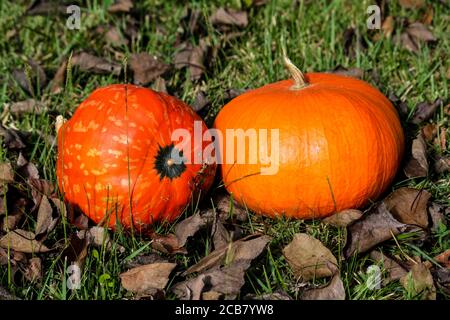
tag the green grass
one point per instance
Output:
(312, 33)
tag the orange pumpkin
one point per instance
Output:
(115, 157)
(340, 145)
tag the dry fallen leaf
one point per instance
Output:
(409, 206)
(201, 101)
(189, 226)
(376, 226)
(6, 295)
(159, 85)
(425, 111)
(226, 280)
(417, 166)
(44, 217)
(23, 241)
(59, 78)
(11, 138)
(343, 218)
(192, 57)
(146, 68)
(33, 272)
(229, 17)
(30, 78)
(169, 244)
(90, 63)
(99, 237)
(229, 208)
(309, 258)
(421, 32)
(144, 259)
(388, 26)
(147, 277)
(427, 17)
(393, 269)
(6, 173)
(429, 131)
(76, 250)
(46, 7)
(27, 106)
(412, 4)
(436, 212)
(442, 164)
(444, 258)
(121, 6)
(419, 282)
(247, 249)
(332, 291)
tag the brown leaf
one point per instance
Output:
(76, 250)
(121, 6)
(27, 106)
(201, 101)
(309, 258)
(388, 26)
(442, 165)
(394, 270)
(146, 68)
(189, 226)
(427, 18)
(23, 241)
(247, 248)
(343, 218)
(192, 57)
(229, 17)
(90, 63)
(31, 79)
(229, 208)
(425, 111)
(376, 226)
(407, 42)
(417, 166)
(114, 37)
(409, 206)
(429, 132)
(33, 272)
(420, 32)
(351, 72)
(59, 78)
(226, 281)
(190, 289)
(412, 4)
(332, 291)
(221, 236)
(6, 173)
(168, 244)
(444, 258)
(45, 7)
(437, 216)
(147, 277)
(6, 295)
(11, 138)
(419, 282)
(44, 217)
(99, 237)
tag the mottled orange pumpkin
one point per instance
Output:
(114, 157)
(340, 145)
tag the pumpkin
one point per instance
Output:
(339, 145)
(115, 157)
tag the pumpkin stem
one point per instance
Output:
(297, 75)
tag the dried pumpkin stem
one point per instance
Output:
(297, 75)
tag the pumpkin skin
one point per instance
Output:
(113, 157)
(340, 145)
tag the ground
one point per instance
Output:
(244, 57)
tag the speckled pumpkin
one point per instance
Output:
(340, 145)
(114, 157)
